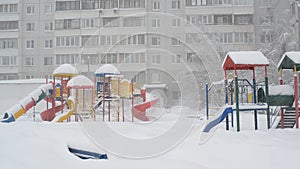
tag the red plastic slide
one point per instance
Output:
(49, 115)
(139, 111)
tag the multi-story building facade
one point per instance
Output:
(9, 38)
(154, 41)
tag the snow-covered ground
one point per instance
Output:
(27, 144)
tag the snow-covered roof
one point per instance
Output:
(107, 69)
(80, 82)
(244, 60)
(289, 59)
(65, 70)
(281, 90)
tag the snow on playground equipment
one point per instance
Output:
(63, 73)
(246, 60)
(290, 116)
(81, 99)
(112, 89)
(27, 103)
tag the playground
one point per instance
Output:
(256, 121)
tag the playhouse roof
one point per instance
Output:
(244, 60)
(107, 69)
(288, 60)
(65, 70)
(80, 82)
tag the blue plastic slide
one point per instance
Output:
(83, 154)
(218, 119)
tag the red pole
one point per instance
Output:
(53, 96)
(103, 98)
(296, 96)
(118, 113)
(132, 99)
(281, 109)
(76, 103)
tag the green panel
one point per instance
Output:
(279, 100)
(42, 96)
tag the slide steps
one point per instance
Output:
(289, 119)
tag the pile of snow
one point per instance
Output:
(80, 81)
(247, 57)
(282, 90)
(65, 69)
(107, 69)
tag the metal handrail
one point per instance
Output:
(275, 115)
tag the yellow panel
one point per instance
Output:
(114, 86)
(19, 113)
(125, 89)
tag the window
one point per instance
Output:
(156, 5)
(266, 36)
(199, 19)
(195, 2)
(243, 2)
(8, 8)
(92, 59)
(90, 41)
(130, 3)
(175, 22)
(29, 26)
(155, 77)
(67, 58)
(63, 24)
(30, 9)
(243, 37)
(67, 5)
(243, 19)
(175, 4)
(90, 4)
(175, 41)
(155, 23)
(48, 44)
(111, 22)
(67, 41)
(193, 58)
(223, 19)
(48, 8)
(133, 21)
(222, 2)
(175, 59)
(226, 37)
(265, 3)
(8, 61)
(155, 59)
(48, 61)
(48, 26)
(28, 76)
(155, 41)
(266, 20)
(29, 44)
(89, 22)
(9, 43)
(8, 25)
(29, 61)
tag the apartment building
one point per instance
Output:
(9, 38)
(157, 42)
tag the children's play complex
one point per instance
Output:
(276, 101)
(70, 96)
(74, 97)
